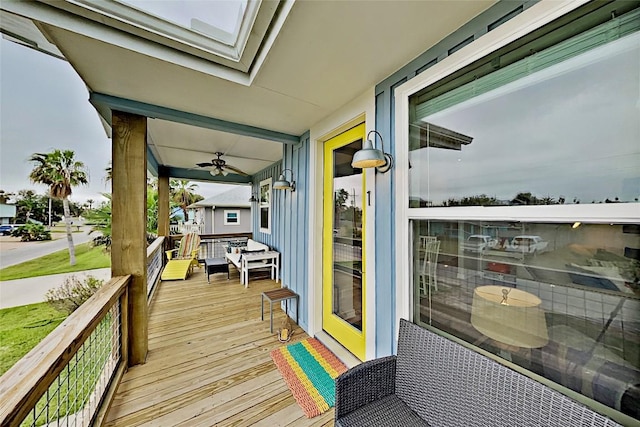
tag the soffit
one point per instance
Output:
(326, 54)
(25, 32)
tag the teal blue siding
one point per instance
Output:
(290, 222)
(290, 210)
(385, 227)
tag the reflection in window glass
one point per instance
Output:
(265, 206)
(566, 134)
(559, 126)
(558, 300)
(347, 236)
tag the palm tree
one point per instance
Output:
(183, 194)
(108, 173)
(4, 197)
(61, 172)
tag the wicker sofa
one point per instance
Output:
(434, 381)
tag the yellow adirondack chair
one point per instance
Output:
(183, 259)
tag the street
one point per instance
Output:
(32, 290)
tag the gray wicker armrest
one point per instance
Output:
(364, 384)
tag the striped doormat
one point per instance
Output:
(310, 370)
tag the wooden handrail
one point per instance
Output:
(157, 243)
(175, 237)
(22, 386)
(154, 250)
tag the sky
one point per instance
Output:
(44, 106)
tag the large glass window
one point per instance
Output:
(558, 297)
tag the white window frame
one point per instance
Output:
(226, 216)
(267, 204)
(531, 19)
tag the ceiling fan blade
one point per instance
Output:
(204, 165)
(236, 170)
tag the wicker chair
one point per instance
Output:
(435, 381)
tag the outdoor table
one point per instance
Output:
(216, 265)
(277, 295)
(264, 259)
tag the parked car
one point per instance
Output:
(479, 243)
(527, 245)
(6, 229)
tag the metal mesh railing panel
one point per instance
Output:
(74, 396)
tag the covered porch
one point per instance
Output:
(208, 361)
(197, 353)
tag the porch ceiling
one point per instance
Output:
(325, 54)
(182, 146)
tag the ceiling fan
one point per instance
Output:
(221, 167)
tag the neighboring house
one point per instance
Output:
(7, 213)
(225, 213)
(504, 119)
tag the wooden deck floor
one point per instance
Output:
(208, 362)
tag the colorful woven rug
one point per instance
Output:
(310, 370)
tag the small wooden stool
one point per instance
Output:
(277, 295)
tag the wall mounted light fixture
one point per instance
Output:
(283, 184)
(371, 157)
(254, 197)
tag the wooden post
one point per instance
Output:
(163, 202)
(129, 223)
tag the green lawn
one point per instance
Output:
(87, 258)
(63, 229)
(21, 328)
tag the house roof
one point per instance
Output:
(238, 197)
(7, 211)
(315, 58)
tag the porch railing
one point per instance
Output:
(155, 262)
(213, 245)
(69, 378)
(186, 228)
(65, 379)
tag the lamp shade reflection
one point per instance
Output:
(510, 316)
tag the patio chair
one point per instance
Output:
(182, 259)
(428, 276)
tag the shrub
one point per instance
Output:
(102, 241)
(73, 293)
(106, 241)
(32, 232)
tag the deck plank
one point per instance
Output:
(209, 361)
